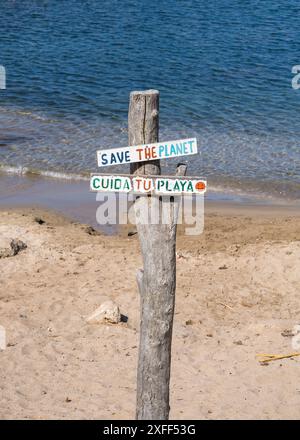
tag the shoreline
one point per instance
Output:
(74, 200)
(218, 191)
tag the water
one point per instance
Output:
(223, 70)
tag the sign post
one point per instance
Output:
(157, 280)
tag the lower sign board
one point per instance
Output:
(141, 153)
(143, 184)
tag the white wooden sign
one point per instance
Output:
(142, 153)
(142, 184)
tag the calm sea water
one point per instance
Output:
(223, 69)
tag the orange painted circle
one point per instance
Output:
(200, 186)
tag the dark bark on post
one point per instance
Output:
(157, 281)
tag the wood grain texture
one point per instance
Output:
(143, 127)
(157, 285)
(157, 280)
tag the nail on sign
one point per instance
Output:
(142, 153)
(156, 185)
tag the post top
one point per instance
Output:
(145, 92)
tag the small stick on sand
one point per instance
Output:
(225, 305)
(274, 357)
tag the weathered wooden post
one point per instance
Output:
(157, 281)
(143, 127)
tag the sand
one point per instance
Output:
(238, 288)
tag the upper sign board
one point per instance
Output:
(142, 153)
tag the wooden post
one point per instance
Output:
(157, 281)
(143, 126)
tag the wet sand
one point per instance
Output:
(73, 199)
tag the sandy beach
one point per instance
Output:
(108, 109)
(237, 295)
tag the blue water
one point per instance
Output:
(223, 69)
